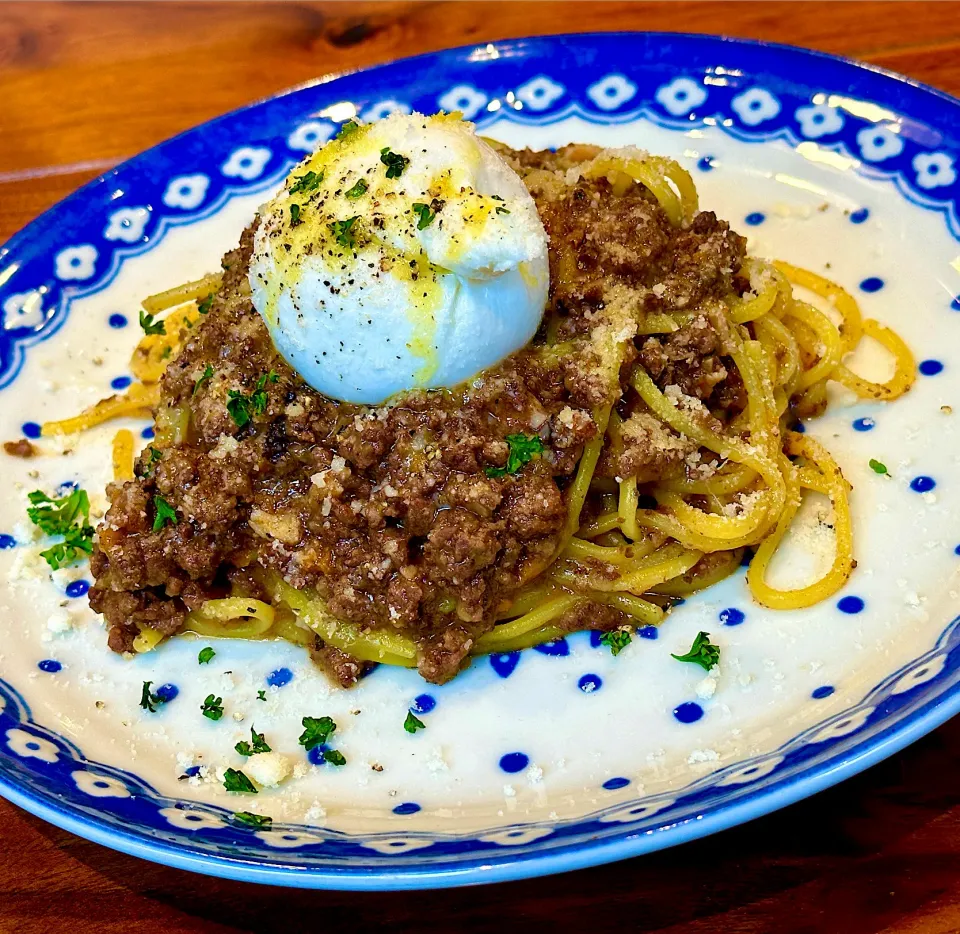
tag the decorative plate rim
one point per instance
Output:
(850, 754)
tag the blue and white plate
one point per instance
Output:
(562, 756)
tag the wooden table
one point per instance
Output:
(83, 86)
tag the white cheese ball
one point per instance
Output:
(405, 254)
(268, 768)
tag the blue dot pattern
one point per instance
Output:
(612, 784)
(50, 665)
(825, 690)
(864, 424)
(559, 649)
(30, 429)
(280, 677)
(7, 541)
(922, 484)
(859, 216)
(505, 663)
(755, 218)
(589, 683)
(117, 320)
(688, 712)
(147, 433)
(648, 632)
(77, 588)
(514, 762)
(191, 771)
(955, 304)
(731, 616)
(120, 382)
(956, 550)
(871, 284)
(930, 367)
(167, 692)
(315, 755)
(705, 163)
(408, 807)
(423, 703)
(850, 605)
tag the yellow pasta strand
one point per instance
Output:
(123, 455)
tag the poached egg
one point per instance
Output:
(404, 254)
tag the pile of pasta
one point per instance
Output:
(629, 556)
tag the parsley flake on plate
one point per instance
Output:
(253, 821)
(878, 467)
(316, 731)
(212, 707)
(257, 744)
(616, 641)
(305, 183)
(235, 780)
(67, 516)
(204, 306)
(150, 324)
(357, 190)
(262, 695)
(206, 655)
(394, 162)
(523, 449)
(703, 652)
(334, 757)
(165, 513)
(413, 723)
(148, 700)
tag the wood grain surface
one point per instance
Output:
(85, 85)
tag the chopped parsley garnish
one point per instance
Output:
(394, 162)
(307, 182)
(148, 700)
(616, 641)
(242, 408)
(347, 129)
(206, 656)
(235, 780)
(316, 731)
(502, 210)
(155, 455)
(67, 516)
(150, 325)
(523, 448)
(413, 723)
(295, 215)
(253, 821)
(878, 467)
(262, 695)
(703, 652)
(257, 744)
(334, 757)
(212, 708)
(343, 231)
(425, 214)
(204, 306)
(207, 373)
(56, 516)
(165, 513)
(357, 190)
